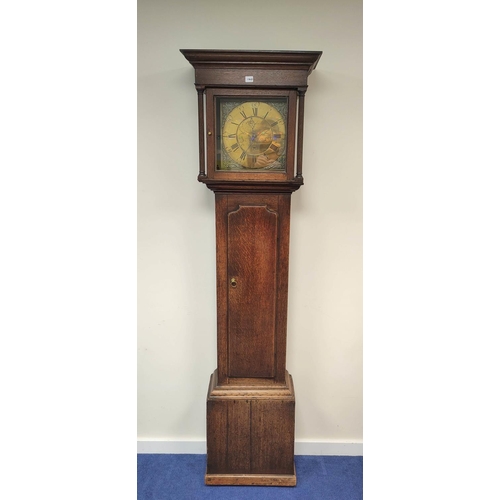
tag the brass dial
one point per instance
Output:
(254, 134)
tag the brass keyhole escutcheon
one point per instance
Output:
(233, 282)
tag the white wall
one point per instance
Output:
(176, 231)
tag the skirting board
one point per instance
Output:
(301, 447)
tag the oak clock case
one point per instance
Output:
(250, 116)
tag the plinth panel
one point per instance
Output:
(250, 436)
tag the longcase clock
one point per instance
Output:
(251, 116)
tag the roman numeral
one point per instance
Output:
(242, 113)
(255, 110)
(233, 136)
(274, 147)
(274, 124)
(235, 146)
(243, 155)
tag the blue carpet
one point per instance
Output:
(180, 477)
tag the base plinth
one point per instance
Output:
(250, 434)
(251, 479)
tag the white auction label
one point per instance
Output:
(248, 79)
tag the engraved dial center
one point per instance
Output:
(254, 135)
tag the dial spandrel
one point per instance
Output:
(252, 134)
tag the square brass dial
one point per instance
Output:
(251, 133)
